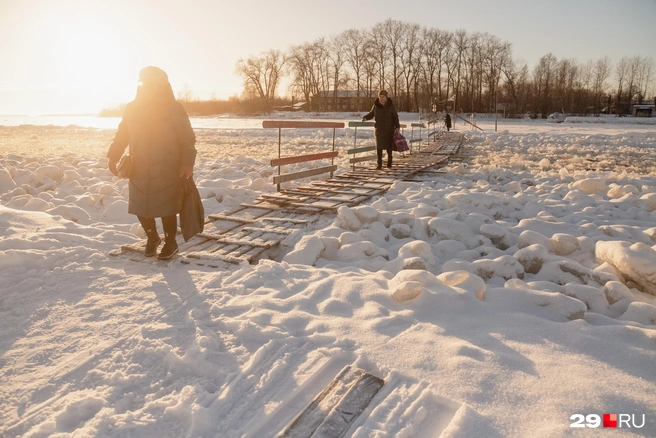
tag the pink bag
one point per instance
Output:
(401, 143)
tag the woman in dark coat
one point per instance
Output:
(161, 143)
(447, 122)
(387, 122)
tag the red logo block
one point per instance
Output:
(610, 420)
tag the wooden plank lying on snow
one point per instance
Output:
(335, 409)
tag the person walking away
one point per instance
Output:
(447, 122)
(387, 123)
(161, 142)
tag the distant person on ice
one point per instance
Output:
(387, 123)
(158, 132)
(447, 122)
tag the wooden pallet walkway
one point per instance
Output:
(246, 232)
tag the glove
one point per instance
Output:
(112, 167)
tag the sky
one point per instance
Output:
(79, 56)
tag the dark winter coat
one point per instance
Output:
(160, 139)
(447, 121)
(387, 120)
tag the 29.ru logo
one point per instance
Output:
(610, 421)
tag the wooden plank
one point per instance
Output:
(362, 159)
(361, 124)
(414, 140)
(220, 217)
(300, 124)
(347, 396)
(303, 158)
(325, 197)
(327, 190)
(285, 219)
(239, 242)
(362, 149)
(417, 125)
(277, 179)
(270, 230)
(279, 208)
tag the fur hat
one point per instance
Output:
(382, 93)
(153, 75)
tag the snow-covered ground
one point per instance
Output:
(498, 299)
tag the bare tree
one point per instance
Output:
(517, 82)
(409, 60)
(621, 72)
(337, 56)
(601, 71)
(263, 74)
(378, 49)
(645, 77)
(543, 78)
(355, 52)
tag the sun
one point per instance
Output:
(87, 56)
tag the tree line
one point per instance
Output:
(422, 66)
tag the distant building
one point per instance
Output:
(298, 106)
(346, 100)
(644, 110)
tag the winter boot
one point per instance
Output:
(149, 226)
(152, 244)
(170, 248)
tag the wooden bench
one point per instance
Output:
(282, 161)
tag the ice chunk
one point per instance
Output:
(407, 291)
(425, 278)
(498, 235)
(306, 252)
(449, 229)
(528, 238)
(591, 185)
(348, 238)
(616, 291)
(400, 231)
(636, 262)
(532, 257)
(366, 214)
(419, 249)
(7, 183)
(608, 269)
(594, 298)
(565, 244)
(641, 313)
(347, 220)
(649, 201)
(464, 280)
(49, 171)
(360, 251)
(505, 266)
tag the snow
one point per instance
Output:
(496, 299)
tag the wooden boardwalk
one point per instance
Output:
(247, 232)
